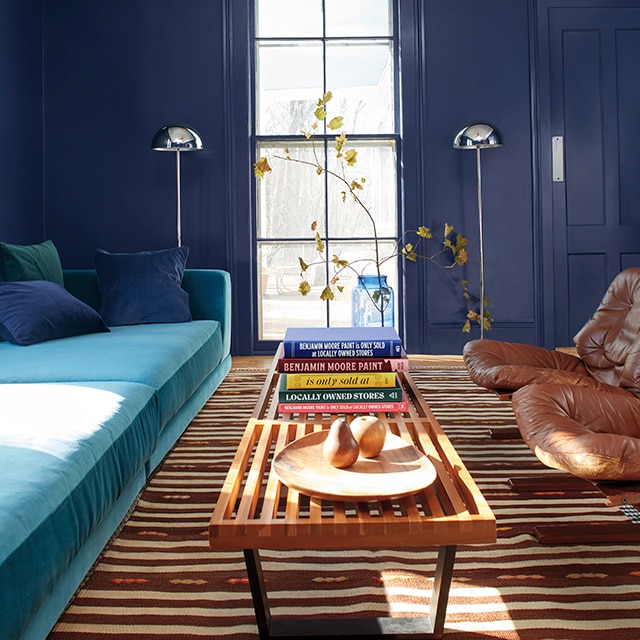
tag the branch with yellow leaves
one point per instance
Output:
(457, 250)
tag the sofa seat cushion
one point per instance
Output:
(592, 434)
(172, 359)
(67, 452)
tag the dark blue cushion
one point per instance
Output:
(30, 262)
(144, 287)
(38, 310)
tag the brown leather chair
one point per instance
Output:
(591, 434)
(579, 413)
(608, 348)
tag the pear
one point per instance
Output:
(370, 434)
(340, 448)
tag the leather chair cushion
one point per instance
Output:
(506, 365)
(592, 434)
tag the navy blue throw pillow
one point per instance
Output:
(38, 310)
(144, 287)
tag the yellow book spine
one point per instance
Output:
(340, 380)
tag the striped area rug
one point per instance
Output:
(159, 579)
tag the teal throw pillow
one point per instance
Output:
(144, 287)
(30, 262)
(38, 310)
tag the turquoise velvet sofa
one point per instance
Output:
(85, 421)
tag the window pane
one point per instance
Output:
(358, 18)
(281, 304)
(362, 75)
(292, 196)
(289, 82)
(376, 162)
(289, 18)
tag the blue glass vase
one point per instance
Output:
(372, 302)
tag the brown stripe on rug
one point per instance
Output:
(159, 579)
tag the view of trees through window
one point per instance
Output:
(304, 48)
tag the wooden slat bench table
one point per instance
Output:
(256, 511)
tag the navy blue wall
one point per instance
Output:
(115, 72)
(472, 66)
(21, 121)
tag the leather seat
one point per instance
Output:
(592, 434)
(608, 349)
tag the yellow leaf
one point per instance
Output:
(304, 287)
(356, 185)
(261, 167)
(424, 232)
(319, 170)
(340, 288)
(320, 113)
(340, 142)
(303, 265)
(466, 327)
(409, 253)
(319, 243)
(350, 157)
(325, 98)
(462, 257)
(447, 229)
(327, 294)
(335, 123)
(314, 225)
(461, 241)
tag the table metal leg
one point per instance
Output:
(441, 586)
(258, 592)
(425, 628)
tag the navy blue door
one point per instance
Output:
(594, 57)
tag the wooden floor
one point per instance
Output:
(263, 362)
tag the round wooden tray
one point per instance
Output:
(398, 471)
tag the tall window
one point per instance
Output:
(304, 48)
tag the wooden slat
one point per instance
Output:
(254, 477)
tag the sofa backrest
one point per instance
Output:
(209, 294)
(609, 343)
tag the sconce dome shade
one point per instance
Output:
(478, 136)
(176, 137)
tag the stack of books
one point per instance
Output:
(341, 370)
